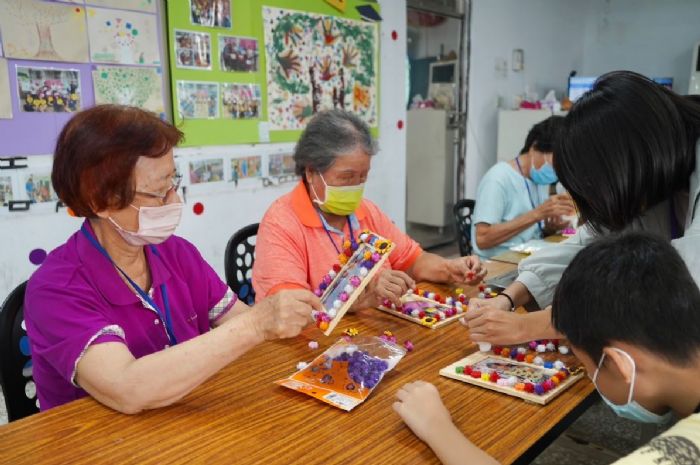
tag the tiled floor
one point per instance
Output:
(598, 437)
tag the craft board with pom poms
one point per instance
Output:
(426, 309)
(518, 374)
(342, 286)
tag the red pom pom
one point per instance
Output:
(468, 370)
(520, 357)
(337, 268)
(529, 387)
(421, 314)
(348, 253)
(462, 298)
(475, 374)
(494, 377)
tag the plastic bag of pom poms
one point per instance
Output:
(347, 372)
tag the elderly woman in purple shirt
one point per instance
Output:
(125, 311)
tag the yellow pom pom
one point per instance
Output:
(485, 376)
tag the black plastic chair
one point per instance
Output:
(238, 262)
(15, 358)
(463, 211)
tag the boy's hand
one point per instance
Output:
(420, 406)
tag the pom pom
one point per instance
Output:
(318, 292)
(363, 272)
(302, 365)
(337, 303)
(541, 348)
(484, 346)
(550, 347)
(538, 361)
(558, 364)
(408, 345)
(563, 350)
(313, 345)
(548, 364)
(522, 350)
(343, 297)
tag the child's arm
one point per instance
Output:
(420, 406)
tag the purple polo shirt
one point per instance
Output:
(77, 298)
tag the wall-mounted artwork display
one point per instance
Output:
(198, 100)
(238, 54)
(240, 101)
(139, 87)
(141, 5)
(123, 37)
(192, 50)
(48, 90)
(211, 13)
(281, 164)
(203, 171)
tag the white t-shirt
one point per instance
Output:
(679, 445)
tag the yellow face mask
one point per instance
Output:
(340, 200)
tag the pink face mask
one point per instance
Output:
(156, 224)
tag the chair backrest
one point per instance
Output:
(16, 359)
(462, 211)
(238, 262)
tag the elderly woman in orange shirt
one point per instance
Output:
(302, 233)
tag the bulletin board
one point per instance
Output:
(57, 58)
(219, 101)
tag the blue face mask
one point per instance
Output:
(631, 410)
(544, 175)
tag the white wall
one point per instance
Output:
(228, 209)
(429, 40)
(549, 32)
(651, 37)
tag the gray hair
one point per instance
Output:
(330, 134)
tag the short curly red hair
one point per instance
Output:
(93, 165)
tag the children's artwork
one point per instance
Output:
(238, 54)
(192, 50)
(5, 100)
(341, 287)
(281, 164)
(198, 99)
(317, 62)
(123, 37)
(37, 30)
(211, 13)
(202, 171)
(140, 5)
(48, 90)
(6, 194)
(347, 372)
(39, 188)
(538, 383)
(240, 101)
(424, 311)
(138, 87)
(244, 168)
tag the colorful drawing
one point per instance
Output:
(192, 50)
(141, 5)
(317, 62)
(123, 37)
(5, 100)
(38, 30)
(48, 90)
(6, 194)
(198, 100)
(202, 171)
(39, 188)
(138, 87)
(281, 164)
(241, 101)
(425, 312)
(238, 54)
(211, 13)
(245, 168)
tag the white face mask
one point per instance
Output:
(156, 224)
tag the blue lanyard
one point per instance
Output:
(144, 295)
(328, 233)
(529, 194)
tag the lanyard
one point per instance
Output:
(529, 194)
(144, 295)
(328, 233)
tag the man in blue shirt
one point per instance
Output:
(513, 202)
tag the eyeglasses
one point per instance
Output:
(175, 185)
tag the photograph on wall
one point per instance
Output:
(238, 54)
(317, 62)
(39, 189)
(245, 168)
(48, 90)
(211, 13)
(123, 37)
(198, 100)
(5, 99)
(192, 50)
(281, 164)
(202, 171)
(6, 193)
(138, 87)
(140, 5)
(240, 101)
(36, 30)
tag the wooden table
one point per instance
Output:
(510, 256)
(239, 416)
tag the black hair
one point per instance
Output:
(543, 134)
(633, 288)
(626, 145)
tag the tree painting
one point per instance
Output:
(139, 87)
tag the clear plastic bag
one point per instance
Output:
(347, 372)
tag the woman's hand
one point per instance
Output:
(466, 270)
(284, 314)
(489, 320)
(392, 284)
(420, 406)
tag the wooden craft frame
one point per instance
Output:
(362, 247)
(476, 357)
(417, 298)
